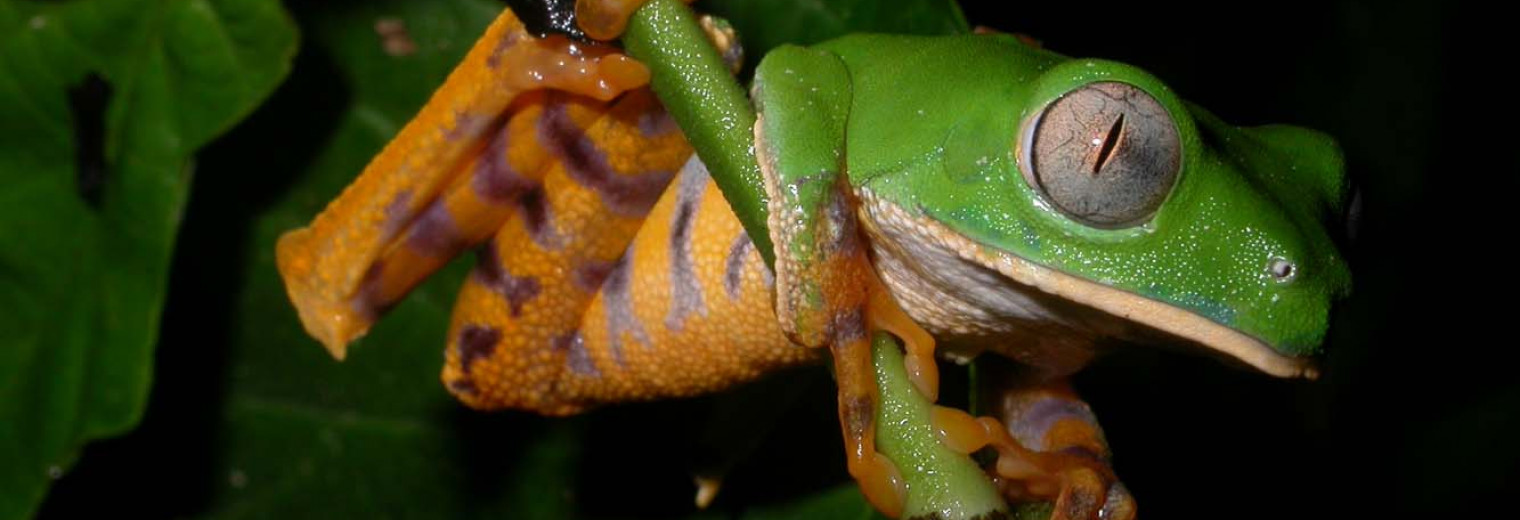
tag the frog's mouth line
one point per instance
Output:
(1117, 302)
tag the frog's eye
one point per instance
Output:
(1106, 154)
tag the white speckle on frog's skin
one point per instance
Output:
(37, 22)
(237, 479)
(55, 472)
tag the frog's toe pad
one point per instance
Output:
(1119, 504)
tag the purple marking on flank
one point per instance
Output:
(494, 179)
(617, 300)
(534, 210)
(685, 291)
(1035, 419)
(490, 273)
(434, 233)
(590, 273)
(625, 195)
(476, 342)
(497, 182)
(733, 266)
(577, 357)
(397, 213)
(656, 122)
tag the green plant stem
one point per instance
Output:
(691, 79)
(941, 483)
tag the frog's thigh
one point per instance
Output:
(686, 310)
(606, 167)
(683, 309)
(484, 192)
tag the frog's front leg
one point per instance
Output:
(1049, 445)
(827, 293)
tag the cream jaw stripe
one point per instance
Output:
(1118, 302)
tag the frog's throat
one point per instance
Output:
(893, 220)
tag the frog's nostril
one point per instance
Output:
(1282, 269)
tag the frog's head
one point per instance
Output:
(1092, 181)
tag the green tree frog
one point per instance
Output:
(971, 191)
(1016, 201)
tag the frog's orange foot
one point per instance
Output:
(1049, 450)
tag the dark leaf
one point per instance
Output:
(95, 184)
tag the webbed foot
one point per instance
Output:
(1049, 449)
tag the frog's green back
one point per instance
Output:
(935, 128)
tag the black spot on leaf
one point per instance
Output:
(87, 108)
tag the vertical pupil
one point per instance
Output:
(1109, 142)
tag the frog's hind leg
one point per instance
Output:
(1049, 445)
(413, 207)
(604, 166)
(589, 295)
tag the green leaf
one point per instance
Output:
(83, 272)
(940, 483)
